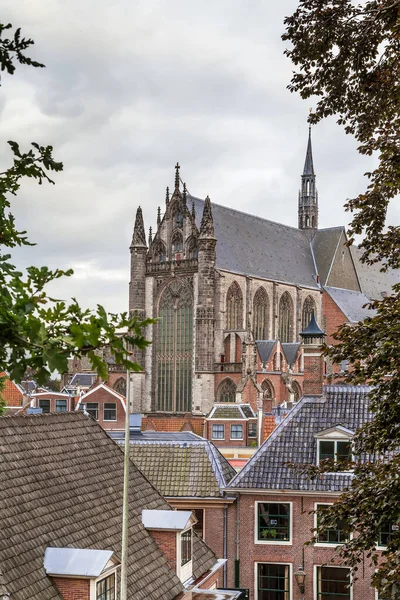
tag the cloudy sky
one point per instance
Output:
(131, 87)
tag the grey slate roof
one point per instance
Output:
(183, 469)
(352, 304)
(83, 379)
(230, 410)
(372, 281)
(61, 482)
(324, 245)
(293, 441)
(262, 248)
(290, 351)
(265, 348)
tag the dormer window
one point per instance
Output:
(186, 554)
(334, 444)
(105, 588)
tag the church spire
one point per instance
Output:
(207, 222)
(308, 195)
(139, 235)
(177, 178)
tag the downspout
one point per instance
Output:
(237, 560)
(225, 539)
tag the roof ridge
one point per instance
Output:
(210, 449)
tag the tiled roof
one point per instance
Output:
(290, 351)
(11, 393)
(293, 441)
(172, 422)
(372, 281)
(324, 245)
(352, 304)
(229, 410)
(61, 480)
(265, 348)
(83, 379)
(269, 425)
(183, 469)
(262, 248)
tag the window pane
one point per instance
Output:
(387, 530)
(186, 547)
(343, 451)
(93, 409)
(273, 582)
(273, 521)
(252, 429)
(105, 589)
(110, 411)
(218, 432)
(326, 450)
(334, 535)
(333, 582)
(236, 432)
(61, 406)
(44, 404)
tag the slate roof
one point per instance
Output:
(324, 246)
(352, 304)
(229, 410)
(183, 469)
(293, 441)
(83, 379)
(290, 351)
(265, 348)
(262, 248)
(372, 281)
(155, 436)
(61, 480)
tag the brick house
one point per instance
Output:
(61, 502)
(12, 393)
(232, 425)
(274, 503)
(52, 402)
(190, 473)
(105, 405)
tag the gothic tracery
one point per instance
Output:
(234, 307)
(226, 391)
(307, 313)
(285, 332)
(260, 314)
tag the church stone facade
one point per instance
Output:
(231, 292)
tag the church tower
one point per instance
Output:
(308, 195)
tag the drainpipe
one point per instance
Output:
(237, 560)
(125, 502)
(225, 539)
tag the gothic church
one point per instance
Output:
(232, 292)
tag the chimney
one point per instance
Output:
(312, 344)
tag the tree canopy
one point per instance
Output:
(347, 55)
(36, 330)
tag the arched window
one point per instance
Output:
(307, 313)
(260, 314)
(234, 307)
(159, 252)
(226, 391)
(285, 318)
(296, 391)
(192, 251)
(120, 386)
(177, 242)
(307, 221)
(278, 361)
(312, 221)
(174, 348)
(268, 389)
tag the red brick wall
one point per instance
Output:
(302, 523)
(214, 529)
(52, 396)
(73, 589)
(216, 578)
(250, 394)
(166, 541)
(313, 370)
(227, 441)
(102, 396)
(333, 317)
(11, 394)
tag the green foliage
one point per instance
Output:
(37, 331)
(348, 55)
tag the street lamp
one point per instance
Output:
(300, 577)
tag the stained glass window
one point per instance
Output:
(174, 348)
(234, 307)
(260, 314)
(308, 310)
(120, 386)
(285, 318)
(226, 391)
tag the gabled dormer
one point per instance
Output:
(334, 443)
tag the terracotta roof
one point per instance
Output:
(12, 393)
(172, 422)
(269, 425)
(183, 469)
(61, 482)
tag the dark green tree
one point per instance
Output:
(347, 55)
(37, 331)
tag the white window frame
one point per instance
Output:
(212, 432)
(230, 432)
(335, 440)
(97, 409)
(106, 573)
(116, 413)
(273, 542)
(273, 562)
(325, 544)
(186, 572)
(378, 546)
(46, 400)
(316, 567)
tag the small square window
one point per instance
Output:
(273, 522)
(336, 450)
(333, 582)
(335, 535)
(105, 589)
(61, 405)
(386, 532)
(252, 430)
(236, 432)
(93, 409)
(218, 432)
(110, 411)
(44, 404)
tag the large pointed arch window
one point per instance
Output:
(285, 318)
(260, 314)
(120, 386)
(307, 313)
(234, 307)
(226, 391)
(177, 242)
(174, 348)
